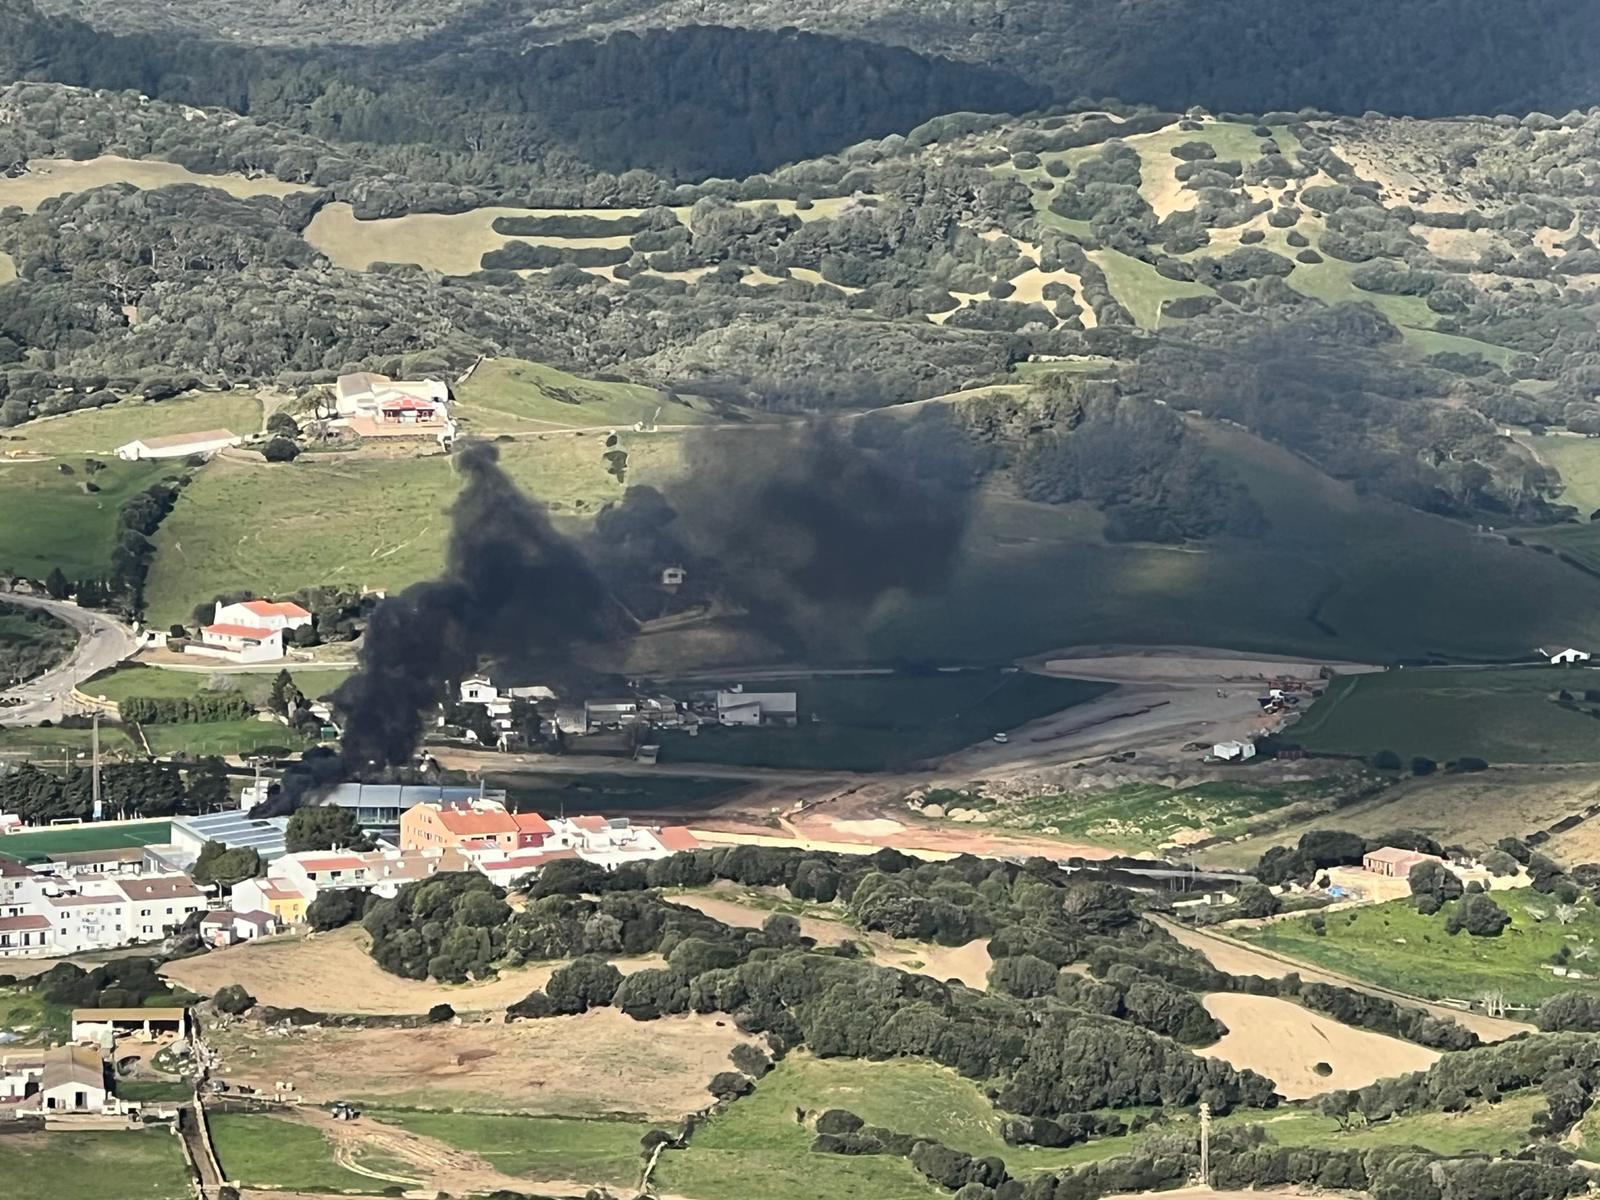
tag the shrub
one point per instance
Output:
(730, 1085)
(280, 450)
(585, 983)
(440, 1013)
(233, 1000)
(1479, 915)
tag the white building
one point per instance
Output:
(1567, 657)
(1237, 751)
(262, 614)
(599, 713)
(227, 927)
(383, 872)
(73, 1081)
(757, 708)
(179, 445)
(236, 830)
(25, 934)
(239, 643)
(101, 914)
(367, 394)
(18, 887)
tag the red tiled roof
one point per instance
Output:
(159, 889)
(531, 823)
(526, 862)
(403, 402)
(336, 862)
(240, 631)
(591, 824)
(469, 823)
(677, 837)
(272, 608)
(26, 921)
(10, 868)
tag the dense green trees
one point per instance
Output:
(145, 789)
(219, 865)
(322, 827)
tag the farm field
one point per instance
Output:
(33, 845)
(509, 395)
(377, 522)
(1142, 817)
(1396, 947)
(1484, 1128)
(47, 177)
(602, 1064)
(113, 1165)
(262, 1150)
(334, 973)
(538, 1148)
(883, 722)
(1340, 563)
(1497, 714)
(122, 682)
(1470, 810)
(1578, 461)
(758, 1136)
(102, 430)
(51, 521)
(56, 743)
(1283, 1041)
(225, 738)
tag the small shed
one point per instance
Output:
(88, 1024)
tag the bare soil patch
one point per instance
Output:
(1283, 1041)
(333, 973)
(602, 1063)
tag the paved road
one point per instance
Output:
(102, 642)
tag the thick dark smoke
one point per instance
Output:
(512, 587)
(801, 528)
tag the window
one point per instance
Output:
(144, 912)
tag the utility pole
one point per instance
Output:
(1205, 1146)
(94, 766)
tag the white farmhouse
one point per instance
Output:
(238, 643)
(262, 614)
(366, 394)
(178, 445)
(757, 708)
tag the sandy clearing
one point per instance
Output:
(600, 1063)
(870, 826)
(1283, 1041)
(756, 277)
(1238, 959)
(747, 916)
(47, 177)
(962, 300)
(333, 972)
(1184, 664)
(807, 275)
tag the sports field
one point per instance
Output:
(1501, 715)
(33, 845)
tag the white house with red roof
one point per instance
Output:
(238, 643)
(26, 933)
(262, 614)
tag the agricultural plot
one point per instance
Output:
(54, 520)
(122, 682)
(1396, 947)
(537, 1148)
(377, 522)
(510, 395)
(33, 845)
(1352, 578)
(102, 430)
(266, 1151)
(114, 1165)
(1497, 1129)
(47, 177)
(225, 738)
(1142, 817)
(759, 1136)
(1498, 714)
(880, 722)
(57, 744)
(1577, 459)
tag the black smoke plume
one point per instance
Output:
(512, 587)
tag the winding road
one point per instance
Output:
(103, 642)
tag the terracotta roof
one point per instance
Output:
(531, 822)
(10, 868)
(166, 888)
(590, 824)
(187, 439)
(1392, 854)
(677, 837)
(469, 823)
(273, 891)
(240, 631)
(26, 921)
(405, 402)
(525, 862)
(271, 608)
(333, 862)
(80, 901)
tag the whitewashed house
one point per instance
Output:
(262, 614)
(1565, 658)
(238, 643)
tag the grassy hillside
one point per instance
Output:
(1508, 715)
(51, 521)
(512, 395)
(1395, 946)
(101, 430)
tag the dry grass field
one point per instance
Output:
(332, 972)
(1284, 1042)
(47, 177)
(602, 1063)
